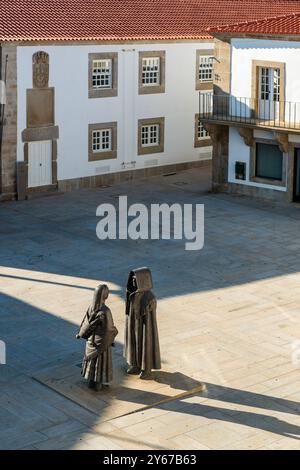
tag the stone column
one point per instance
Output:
(9, 142)
(220, 139)
(40, 117)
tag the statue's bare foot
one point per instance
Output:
(133, 370)
(98, 387)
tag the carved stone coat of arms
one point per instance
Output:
(40, 70)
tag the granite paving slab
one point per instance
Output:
(126, 394)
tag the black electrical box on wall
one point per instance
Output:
(240, 170)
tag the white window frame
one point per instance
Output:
(270, 83)
(202, 133)
(151, 71)
(152, 133)
(102, 71)
(101, 135)
(206, 68)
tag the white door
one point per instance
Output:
(269, 93)
(39, 163)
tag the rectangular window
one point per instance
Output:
(269, 160)
(202, 132)
(151, 71)
(152, 66)
(201, 136)
(102, 140)
(102, 73)
(205, 72)
(150, 135)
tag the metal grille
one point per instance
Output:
(272, 113)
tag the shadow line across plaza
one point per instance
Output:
(32, 348)
(56, 236)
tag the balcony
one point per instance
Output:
(249, 112)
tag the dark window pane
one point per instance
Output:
(268, 161)
(297, 175)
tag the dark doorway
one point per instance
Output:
(296, 195)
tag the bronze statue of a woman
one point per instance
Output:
(99, 331)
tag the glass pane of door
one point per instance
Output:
(269, 94)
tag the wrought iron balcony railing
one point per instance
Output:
(252, 112)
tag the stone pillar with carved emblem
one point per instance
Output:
(41, 133)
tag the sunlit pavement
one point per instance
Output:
(228, 316)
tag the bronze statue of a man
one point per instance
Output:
(141, 348)
(99, 331)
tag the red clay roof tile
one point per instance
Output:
(276, 25)
(121, 20)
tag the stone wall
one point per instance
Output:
(220, 134)
(117, 177)
(9, 143)
(222, 66)
(257, 192)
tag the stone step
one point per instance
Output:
(41, 194)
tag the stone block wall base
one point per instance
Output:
(255, 192)
(10, 196)
(123, 176)
(219, 188)
(40, 194)
(105, 180)
(9, 193)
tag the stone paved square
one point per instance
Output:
(228, 317)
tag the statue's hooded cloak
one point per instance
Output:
(141, 347)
